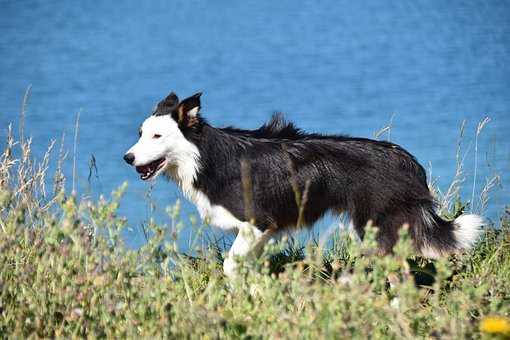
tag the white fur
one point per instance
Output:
(193, 112)
(249, 241)
(171, 145)
(468, 229)
(430, 252)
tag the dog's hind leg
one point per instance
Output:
(249, 241)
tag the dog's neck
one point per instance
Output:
(183, 170)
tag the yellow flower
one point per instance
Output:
(495, 325)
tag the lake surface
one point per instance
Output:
(331, 66)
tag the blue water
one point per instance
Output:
(331, 66)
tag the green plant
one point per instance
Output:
(65, 272)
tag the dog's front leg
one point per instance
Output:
(249, 241)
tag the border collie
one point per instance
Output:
(368, 180)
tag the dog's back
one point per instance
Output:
(369, 180)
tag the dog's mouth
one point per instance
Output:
(149, 170)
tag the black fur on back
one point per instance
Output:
(277, 127)
(367, 179)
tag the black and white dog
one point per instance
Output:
(366, 179)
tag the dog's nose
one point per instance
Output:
(129, 158)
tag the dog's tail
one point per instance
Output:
(438, 237)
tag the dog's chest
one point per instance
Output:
(213, 214)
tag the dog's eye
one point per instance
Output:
(156, 136)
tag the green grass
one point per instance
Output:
(64, 272)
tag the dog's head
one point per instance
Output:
(162, 136)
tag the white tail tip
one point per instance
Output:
(468, 229)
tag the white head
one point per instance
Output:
(162, 143)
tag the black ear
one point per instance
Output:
(167, 105)
(187, 111)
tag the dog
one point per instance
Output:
(278, 177)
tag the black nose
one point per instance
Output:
(129, 158)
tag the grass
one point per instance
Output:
(65, 272)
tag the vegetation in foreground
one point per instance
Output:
(65, 273)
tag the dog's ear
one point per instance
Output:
(187, 111)
(167, 105)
